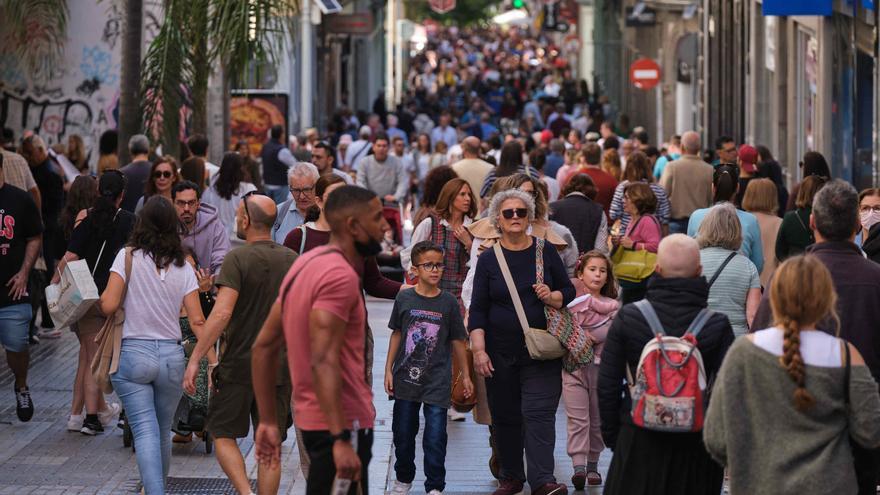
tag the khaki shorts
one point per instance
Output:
(232, 409)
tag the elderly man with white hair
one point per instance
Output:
(291, 214)
(688, 183)
(643, 458)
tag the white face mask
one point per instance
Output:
(869, 218)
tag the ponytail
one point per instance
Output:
(726, 180)
(794, 365)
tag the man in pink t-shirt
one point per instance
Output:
(320, 317)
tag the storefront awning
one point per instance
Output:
(799, 7)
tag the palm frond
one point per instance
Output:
(34, 32)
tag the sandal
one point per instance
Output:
(594, 478)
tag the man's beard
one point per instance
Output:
(368, 249)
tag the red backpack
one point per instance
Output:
(667, 393)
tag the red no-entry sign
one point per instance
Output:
(442, 6)
(644, 73)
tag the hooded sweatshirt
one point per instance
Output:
(208, 240)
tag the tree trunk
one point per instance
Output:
(130, 76)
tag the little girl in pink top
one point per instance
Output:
(594, 311)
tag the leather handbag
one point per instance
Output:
(541, 344)
(461, 403)
(633, 265)
(109, 338)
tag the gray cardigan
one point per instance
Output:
(768, 446)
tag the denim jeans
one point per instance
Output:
(149, 383)
(678, 225)
(278, 194)
(405, 426)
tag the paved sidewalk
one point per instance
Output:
(41, 457)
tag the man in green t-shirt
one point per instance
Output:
(248, 284)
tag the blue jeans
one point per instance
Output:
(678, 225)
(405, 426)
(277, 193)
(15, 322)
(149, 383)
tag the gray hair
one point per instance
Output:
(690, 142)
(720, 228)
(139, 145)
(836, 210)
(499, 198)
(303, 170)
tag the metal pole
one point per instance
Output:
(876, 133)
(390, 38)
(660, 131)
(308, 66)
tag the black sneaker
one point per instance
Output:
(24, 406)
(91, 427)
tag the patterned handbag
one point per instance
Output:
(561, 324)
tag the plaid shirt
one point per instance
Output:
(16, 171)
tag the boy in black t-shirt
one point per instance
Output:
(20, 239)
(427, 329)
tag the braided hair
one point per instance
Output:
(801, 295)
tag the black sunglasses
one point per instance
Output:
(519, 212)
(244, 200)
(162, 173)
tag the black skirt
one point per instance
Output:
(647, 462)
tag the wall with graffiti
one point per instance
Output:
(80, 95)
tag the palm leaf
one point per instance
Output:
(34, 32)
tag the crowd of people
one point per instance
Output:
(552, 245)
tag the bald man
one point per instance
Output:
(677, 293)
(248, 285)
(688, 183)
(472, 168)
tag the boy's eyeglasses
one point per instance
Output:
(431, 266)
(518, 212)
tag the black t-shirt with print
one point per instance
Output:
(423, 366)
(19, 221)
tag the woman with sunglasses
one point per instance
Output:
(226, 191)
(523, 393)
(163, 176)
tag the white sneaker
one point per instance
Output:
(401, 488)
(109, 415)
(435, 492)
(455, 415)
(74, 422)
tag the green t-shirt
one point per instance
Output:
(255, 271)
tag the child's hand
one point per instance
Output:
(468, 386)
(389, 383)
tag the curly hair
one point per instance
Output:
(801, 294)
(499, 199)
(156, 233)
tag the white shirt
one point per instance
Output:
(355, 152)
(154, 297)
(817, 347)
(552, 188)
(226, 207)
(212, 170)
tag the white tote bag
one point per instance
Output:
(69, 299)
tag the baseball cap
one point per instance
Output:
(365, 131)
(748, 157)
(546, 136)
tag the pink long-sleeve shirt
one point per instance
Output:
(646, 234)
(595, 316)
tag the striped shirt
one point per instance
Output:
(728, 294)
(16, 171)
(616, 211)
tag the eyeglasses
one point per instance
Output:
(431, 266)
(244, 200)
(867, 208)
(306, 191)
(186, 204)
(162, 173)
(518, 212)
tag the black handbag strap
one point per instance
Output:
(721, 268)
(846, 374)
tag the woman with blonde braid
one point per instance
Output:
(789, 400)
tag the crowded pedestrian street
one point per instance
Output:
(506, 247)
(42, 458)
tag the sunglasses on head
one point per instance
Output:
(162, 173)
(244, 200)
(518, 212)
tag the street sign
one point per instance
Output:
(442, 6)
(644, 73)
(329, 6)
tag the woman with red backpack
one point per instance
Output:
(656, 439)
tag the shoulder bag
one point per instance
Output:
(540, 343)
(633, 265)
(721, 268)
(109, 339)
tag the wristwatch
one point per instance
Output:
(344, 435)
